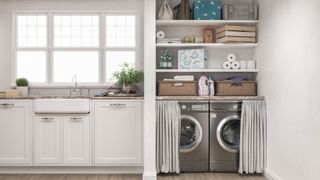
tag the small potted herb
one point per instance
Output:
(128, 78)
(22, 86)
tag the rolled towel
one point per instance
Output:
(227, 65)
(231, 57)
(161, 35)
(235, 65)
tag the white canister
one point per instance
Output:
(251, 64)
(243, 64)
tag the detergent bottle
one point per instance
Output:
(203, 88)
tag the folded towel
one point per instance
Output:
(184, 78)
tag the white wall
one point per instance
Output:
(289, 78)
(7, 6)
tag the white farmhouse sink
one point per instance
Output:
(62, 106)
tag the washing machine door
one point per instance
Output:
(191, 134)
(228, 133)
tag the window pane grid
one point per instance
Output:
(120, 31)
(76, 31)
(31, 31)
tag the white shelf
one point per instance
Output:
(206, 70)
(209, 45)
(211, 23)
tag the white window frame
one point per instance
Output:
(102, 48)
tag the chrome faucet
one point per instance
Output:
(75, 88)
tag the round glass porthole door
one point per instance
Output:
(228, 133)
(190, 135)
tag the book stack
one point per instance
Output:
(169, 40)
(236, 34)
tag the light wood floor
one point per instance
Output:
(187, 176)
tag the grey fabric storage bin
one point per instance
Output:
(240, 12)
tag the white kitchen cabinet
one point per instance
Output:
(61, 140)
(118, 133)
(47, 140)
(76, 139)
(15, 133)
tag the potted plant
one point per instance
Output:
(22, 85)
(127, 78)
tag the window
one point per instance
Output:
(120, 42)
(31, 51)
(53, 47)
(76, 48)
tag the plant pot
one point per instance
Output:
(23, 90)
(129, 89)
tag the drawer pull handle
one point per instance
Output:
(117, 105)
(7, 105)
(76, 118)
(47, 119)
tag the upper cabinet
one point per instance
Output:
(118, 133)
(15, 128)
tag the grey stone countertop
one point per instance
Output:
(120, 97)
(213, 98)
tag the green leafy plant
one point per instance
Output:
(22, 82)
(128, 76)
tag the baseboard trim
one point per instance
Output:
(71, 170)
(270, 175)
(149, 175)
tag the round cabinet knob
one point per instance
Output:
(183, 107)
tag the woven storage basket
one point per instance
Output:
(241, 88)
(177, 88)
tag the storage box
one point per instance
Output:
(236, 34)
(231, 88)
(13, 93)
(207, 10)
(177, 88)
(240, 12)
(2, 94)
(192, 59)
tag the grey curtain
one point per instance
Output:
(168, 136)
(252, 157)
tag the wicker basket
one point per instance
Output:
(177, 88)
(242, 88)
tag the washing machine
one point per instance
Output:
(194, 137)
(224, 136)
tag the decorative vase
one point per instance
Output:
(23, 90)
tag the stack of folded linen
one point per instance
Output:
(236, 34)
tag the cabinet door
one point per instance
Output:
(76, 139)
(118, 138)
(15, 130)
(47, 140)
